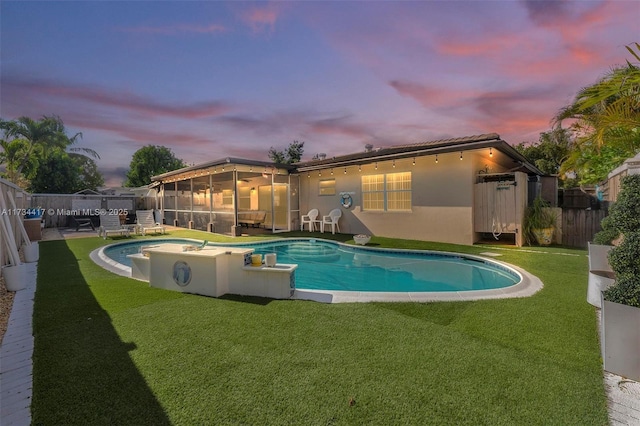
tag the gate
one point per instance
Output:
(499, 204)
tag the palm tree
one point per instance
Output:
(11, 155)
(39, 138)
(606, 119)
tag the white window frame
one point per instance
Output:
(328, 189)
(382, 205)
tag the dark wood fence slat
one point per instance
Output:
(580, 225)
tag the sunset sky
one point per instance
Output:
(214, 79)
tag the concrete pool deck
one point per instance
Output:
(16, 368)
(526, 287)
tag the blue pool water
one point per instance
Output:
(330, 266)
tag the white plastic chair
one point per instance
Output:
(310, 218)
(331, 219)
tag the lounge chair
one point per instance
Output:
(146, 222)
(311, 219)
(331, 219)
(110, 224)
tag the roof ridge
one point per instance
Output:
(472, 138)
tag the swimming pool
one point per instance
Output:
(330, 266)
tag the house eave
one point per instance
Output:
(498, 144)
(223, 162)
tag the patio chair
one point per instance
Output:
(110, 224)
(331, 219)
(311, 219)
(146, 222)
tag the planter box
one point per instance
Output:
(31, 252)
(361, 239)
(15, 277)
(620, 339)
(601, 275)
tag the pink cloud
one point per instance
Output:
(261, 19)
(339, 126)
(178, 29)
(62, 92)
(431, 96)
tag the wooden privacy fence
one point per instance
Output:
(580, 225)
(20, 198)
(60, 207)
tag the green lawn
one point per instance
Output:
(111, 350)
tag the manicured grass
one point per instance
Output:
(110, 350)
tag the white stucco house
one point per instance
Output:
(453, 190)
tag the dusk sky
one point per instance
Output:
(215, 79)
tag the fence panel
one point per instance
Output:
(20, 197)
(580, 225)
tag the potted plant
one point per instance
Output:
(539, 222)
(601, 276)
(621, 301)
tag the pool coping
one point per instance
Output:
(528, 285)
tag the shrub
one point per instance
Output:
(624, 215)
(625, 258)
(608, 233)
(624, 218)
(626, 291)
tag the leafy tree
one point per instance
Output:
(40, 138)
(11, 156)
(292, 154)
(606, 122)
(35, 157)
(56, 174)
(88, 172)
(148, 161)
(550, 152)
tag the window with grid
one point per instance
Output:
(227, 197)
(373, 192)
(398, 189)
(244, 198)
(391, 192)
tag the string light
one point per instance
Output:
(490, 152)
(331, 172)
(394, 164)
(319, 173)
(345, 170)
(414, 161)
(359, 168)
(376, 165)
(460, 155)
(436, 158)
